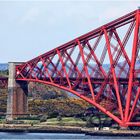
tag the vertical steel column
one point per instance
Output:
(71, 77)
(63, 67)
(113, 72)
(86, 70)
(131, 73)
(134, 104)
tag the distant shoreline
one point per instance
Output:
(67, 129)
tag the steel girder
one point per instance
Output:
(102, 67)
(3, 82)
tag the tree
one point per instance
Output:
(45, 92)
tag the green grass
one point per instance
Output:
(66, 121)
(31, 121)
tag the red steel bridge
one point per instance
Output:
(102, 67)
(3, 82)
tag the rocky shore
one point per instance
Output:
(65, 129)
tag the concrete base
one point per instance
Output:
(17, 104)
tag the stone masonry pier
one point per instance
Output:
(17, 95)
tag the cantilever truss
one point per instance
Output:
(101, 67)
(3, 82)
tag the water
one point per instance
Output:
(56, 136)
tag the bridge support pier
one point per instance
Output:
(17, 95)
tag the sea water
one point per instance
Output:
(58, 136)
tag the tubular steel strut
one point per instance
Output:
(100, 67)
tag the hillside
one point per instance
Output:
(3, 66)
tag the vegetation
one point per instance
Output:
(50, 105)
(4, 73)
(46, 102)
(3, 101)
(71, 121)
(45, 92)
(55, 107)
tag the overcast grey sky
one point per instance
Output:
(30, 28)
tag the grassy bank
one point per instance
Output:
(66, 121)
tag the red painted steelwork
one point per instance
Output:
(3, 82)
(98, 67)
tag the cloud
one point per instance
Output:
(115, 11)
(70, 13)
(31, 15)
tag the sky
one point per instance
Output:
(30, 28)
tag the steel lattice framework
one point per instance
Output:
(102, 67)
(3, 82)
